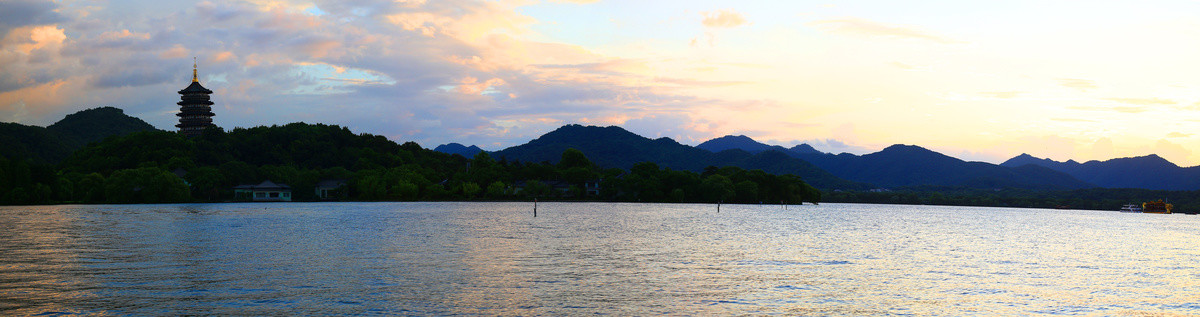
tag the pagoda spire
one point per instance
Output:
(195, 106)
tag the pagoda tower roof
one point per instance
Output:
(195, 88)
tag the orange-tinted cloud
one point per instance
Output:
(1001, 94)
(862, 27)
(1143, 101)
(1081, 84)
(725, 18)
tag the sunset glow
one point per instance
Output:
(982, 81)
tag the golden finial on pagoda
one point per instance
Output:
(194, 79)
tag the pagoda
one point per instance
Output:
(195, 113)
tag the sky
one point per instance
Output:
(978, 80)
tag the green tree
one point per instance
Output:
(496, 190)
(436, 192)
(145, 185)
(536, 188)
(91, 186)
(470, 190)
(406, 191)
(717, 188)
(746, 192)
(572, 158)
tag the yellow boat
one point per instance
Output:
(1157, 207)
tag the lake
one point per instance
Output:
(593, 258)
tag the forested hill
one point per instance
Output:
(158, 166)
(455, 148)
(1148, 172)
(55, 142)
(910, 165)
(616, 147)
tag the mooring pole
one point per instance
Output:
(535, 207)
(718, 207)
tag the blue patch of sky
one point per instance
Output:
(325, 79)
(314, 10)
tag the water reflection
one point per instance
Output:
(624, 259)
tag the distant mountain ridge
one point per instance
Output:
(616, 147)
(745, 143)
(895, 166)
(57, 141)
(455, 148)
(1147, 172)
(908, 165)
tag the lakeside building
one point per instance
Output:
(265, 191)
(331, 189)
(195, 112)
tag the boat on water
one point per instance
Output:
(1151, 207)
(1157, 207)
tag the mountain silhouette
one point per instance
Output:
(616, 147)
(455, 148)
(908, 165)
(1147, 172)
(57, 141)
(744, 143)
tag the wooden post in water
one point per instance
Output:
(718, 207)
(535, 207)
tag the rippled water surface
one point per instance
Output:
(585, 258)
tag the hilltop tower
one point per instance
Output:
(195, 112)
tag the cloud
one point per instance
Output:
(678, 126)
(726, 18)
(697, 83)
(608, 67)
(1121, 109)
(1001, 94)
(836, 146)
(19, 13)
(1171, 151)
(1103, 148)
(1072, 120)
(1178, 135)
(1081, 84)
(902, 65)
(1143, 101)
(862, 27)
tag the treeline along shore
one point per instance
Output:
(167, 167)
(101, 155)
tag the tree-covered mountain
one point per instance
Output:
(903, 165)
(909, 165)
(455, 148)
(804, 149)
(55, 142)
(1147, 172)
(30, 142)
(745, 143)
(740, 142)
(616, 147)
(160, 167)
(94, 125)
